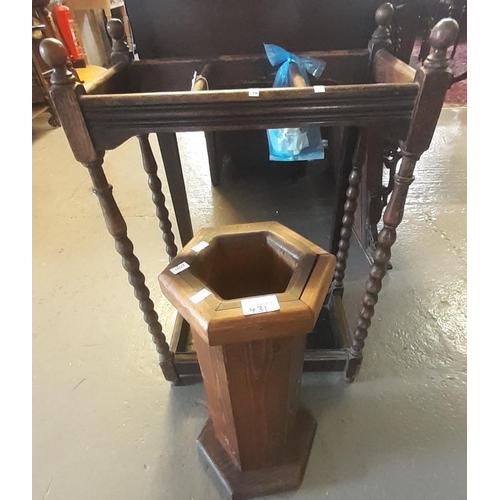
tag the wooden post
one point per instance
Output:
(381, 38)
(154, 183)
(119, 49)
(434, 79)
(173, 168)
(214, 162)
(63, 91)
(120, 53)
(350, 207)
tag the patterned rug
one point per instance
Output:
(457, 95)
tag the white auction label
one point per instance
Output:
(199, 246)
(253, 92)
(199, 296)
(259, 305)
(318, 89)
(177, 269)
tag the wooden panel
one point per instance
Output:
(113, 119)
(300, 277)
(73, 123)
(324, 360)
(229, 72)
(173, 169)
(111, 81)
(369, 209)
(236, 303)
(293, 318)
(318, 284)
(263, 378)
(178, 292)
(186, 28)
(389, 69)
(212, 300)
(212, 367)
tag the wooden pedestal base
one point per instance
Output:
(256, 483)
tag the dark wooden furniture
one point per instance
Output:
(42, 27)
(258, 438)
(365, 90)
(40, 101)
(168, 28)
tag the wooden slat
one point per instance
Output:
(318, 284)
(387, 68)
(342, 67)
(340, 316)
(301, 275)
(263, 379)
(280, 94)
(179, 326)
(178, 291)
(300, 241)
(102, 83)
(213, 300)
(293, 318)
(113, 119)
(243, 228)
(325, 360)
(235, 304)
(315, 360)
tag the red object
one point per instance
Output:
(65, 24)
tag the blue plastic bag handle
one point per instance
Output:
(276, 55)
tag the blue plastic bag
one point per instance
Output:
(294, 144)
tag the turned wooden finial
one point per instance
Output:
(381, 38)
(443, 36)
(54, 54)
(115, 29)
(383, 17)
(119, 49)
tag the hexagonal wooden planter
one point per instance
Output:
(257, 438)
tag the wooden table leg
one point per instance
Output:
(151, 168)
(63, 93)
(393, 216)
(350, 137)
(334, 135)
(118, 229)
(214, 162)
(433, 78)
(173, 168)
(350, 207)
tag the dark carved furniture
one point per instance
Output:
(167, 28)
(365, 90)
(251, 293)
(42, 27)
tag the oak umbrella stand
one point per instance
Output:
(251, 293)
(368, 89)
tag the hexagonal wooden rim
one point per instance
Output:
(216, 320)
